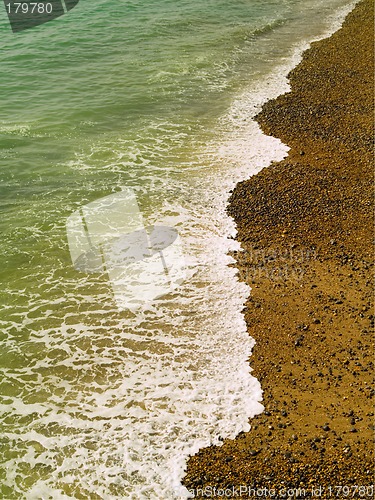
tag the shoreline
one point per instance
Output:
(305, 226)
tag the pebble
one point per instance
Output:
(307, 199)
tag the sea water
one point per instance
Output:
(156, 97)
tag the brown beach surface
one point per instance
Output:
(306, 229)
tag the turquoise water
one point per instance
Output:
(157, 97)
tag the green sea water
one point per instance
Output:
(156, 97)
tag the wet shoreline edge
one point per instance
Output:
(306, 226)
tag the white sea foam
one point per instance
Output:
(108, 404)
(119, 400)
(151, 397)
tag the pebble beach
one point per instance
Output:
(306, 228)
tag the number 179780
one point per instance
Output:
(29, 8)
